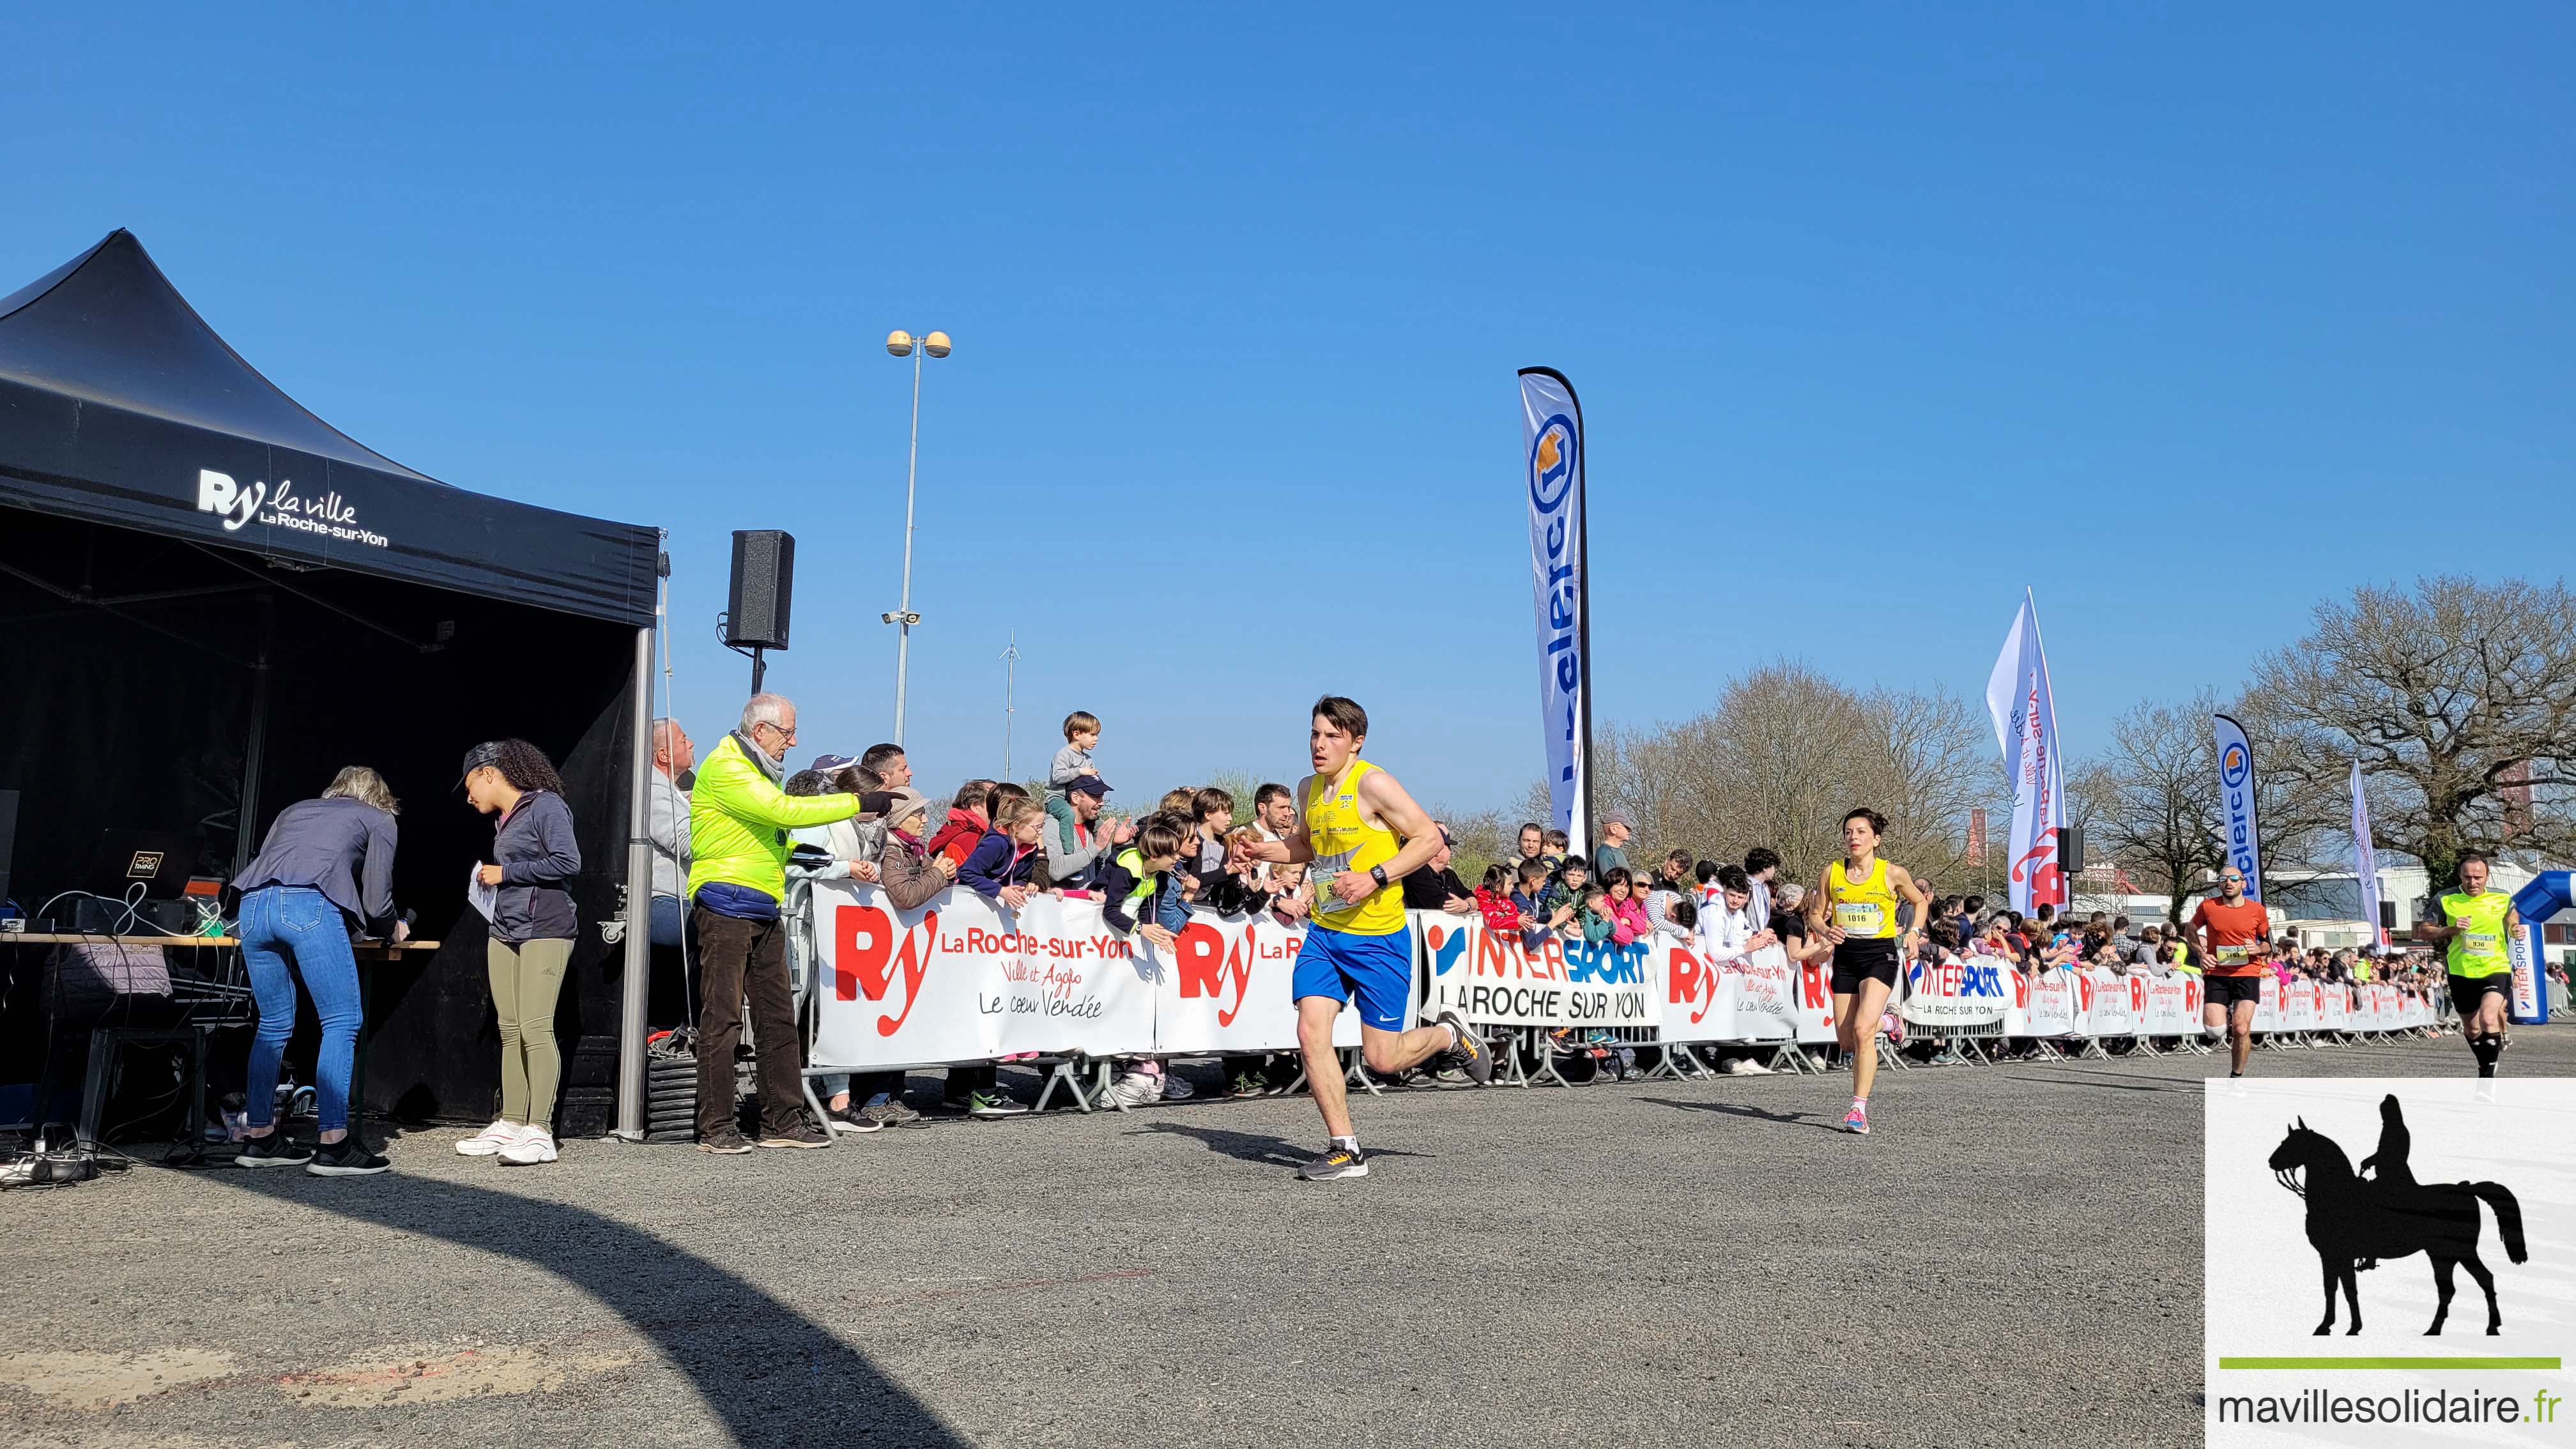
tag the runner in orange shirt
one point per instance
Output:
(2226, 931)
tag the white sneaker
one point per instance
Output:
(1734, 1066)
(535, 1145)
(1753, 1068)
(1132, 1089)
(490, 1140)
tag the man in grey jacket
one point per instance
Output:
(1070, 862)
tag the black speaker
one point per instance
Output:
(764, 575)
(2070, 848)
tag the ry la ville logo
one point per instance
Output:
(329, 515)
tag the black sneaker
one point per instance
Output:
(724, 1142)
(1469, 1055)
(273, 1150)
(852, 1120)
(1336, 1162)
(801, 1135)
(347, 1157)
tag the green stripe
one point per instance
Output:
(2388, 1363)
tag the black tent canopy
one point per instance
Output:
(118, 404)
(211, 599)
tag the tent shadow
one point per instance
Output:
(1260, 1147)
(1739, 1109)
(769, 1372)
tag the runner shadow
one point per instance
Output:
(2108, 1082)
(1258, 1147)
(771, 1373)
(1738, 1109)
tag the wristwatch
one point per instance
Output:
(1378, 873)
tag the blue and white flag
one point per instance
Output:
(2365, 861)
(1552, 451)
(2237, 833)
(2025, 716)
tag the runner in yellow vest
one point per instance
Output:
(1358, 834)
(2478, 925)
(1854, 910)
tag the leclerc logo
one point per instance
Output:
(2231, 769)
(1447, 944)
(1551, 463)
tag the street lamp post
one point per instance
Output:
(902, 344)
(1010, 698)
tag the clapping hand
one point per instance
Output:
(1015, 896)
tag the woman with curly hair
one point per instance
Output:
(532, 929)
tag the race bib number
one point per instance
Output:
(1860, 918)
(2485, 943)
(2233, 955)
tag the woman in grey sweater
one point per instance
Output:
(533, 926)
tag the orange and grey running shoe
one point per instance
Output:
(1470, 1055)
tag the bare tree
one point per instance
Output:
(2151, 801)
(1784, 753)
(2450, 696)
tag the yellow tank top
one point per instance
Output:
(1867, 909)
(1343, 840)
(2480, 949)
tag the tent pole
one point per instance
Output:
(254, 754)
(639, 901)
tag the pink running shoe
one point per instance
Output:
(1857, 1119)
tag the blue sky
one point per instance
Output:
(2185, 318)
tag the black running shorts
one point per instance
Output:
(2228, 990)
(2468, 991)
(1866, 958)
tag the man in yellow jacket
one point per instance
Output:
(739, 816)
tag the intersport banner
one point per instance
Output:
(1960, 992)
(2025, 716)
(1489, 978)
(2238, 833)
(1552, 454)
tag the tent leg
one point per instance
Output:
(639, 908)
(255, 751)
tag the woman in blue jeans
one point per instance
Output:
(326, 869)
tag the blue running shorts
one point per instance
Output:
(1376, 969)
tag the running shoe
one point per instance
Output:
(1469, 1055)
(851, 1120)
(1132, 1089)
(724, 1142)
(1336, 1162)
(1247, 1084)
(802, 1135)
(274, 1150)
(1857, 1120)
(993, 1104)
(1752, 1068)
(891, 1113)
(1177, 1088)
(534, 1146)
(490, 1140)
(347, 1157)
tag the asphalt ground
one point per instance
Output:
(2012, 1258)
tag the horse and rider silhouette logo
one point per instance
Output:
(2357, 1222)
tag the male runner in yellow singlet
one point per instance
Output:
(2478, 927)
(1358, 834)
(1854, 911)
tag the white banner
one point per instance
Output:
(1754, 1001)
(1815, 1001)
(2299, 1005)
(2047, 1003)
(1962, 991)
(2025, 716)
(2334, 1006)
(1552, 451)
(963, 979)
(1487, 977)
(2173, 1006)
(1228, 988)
(2102, 1004)
(2238, 834)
